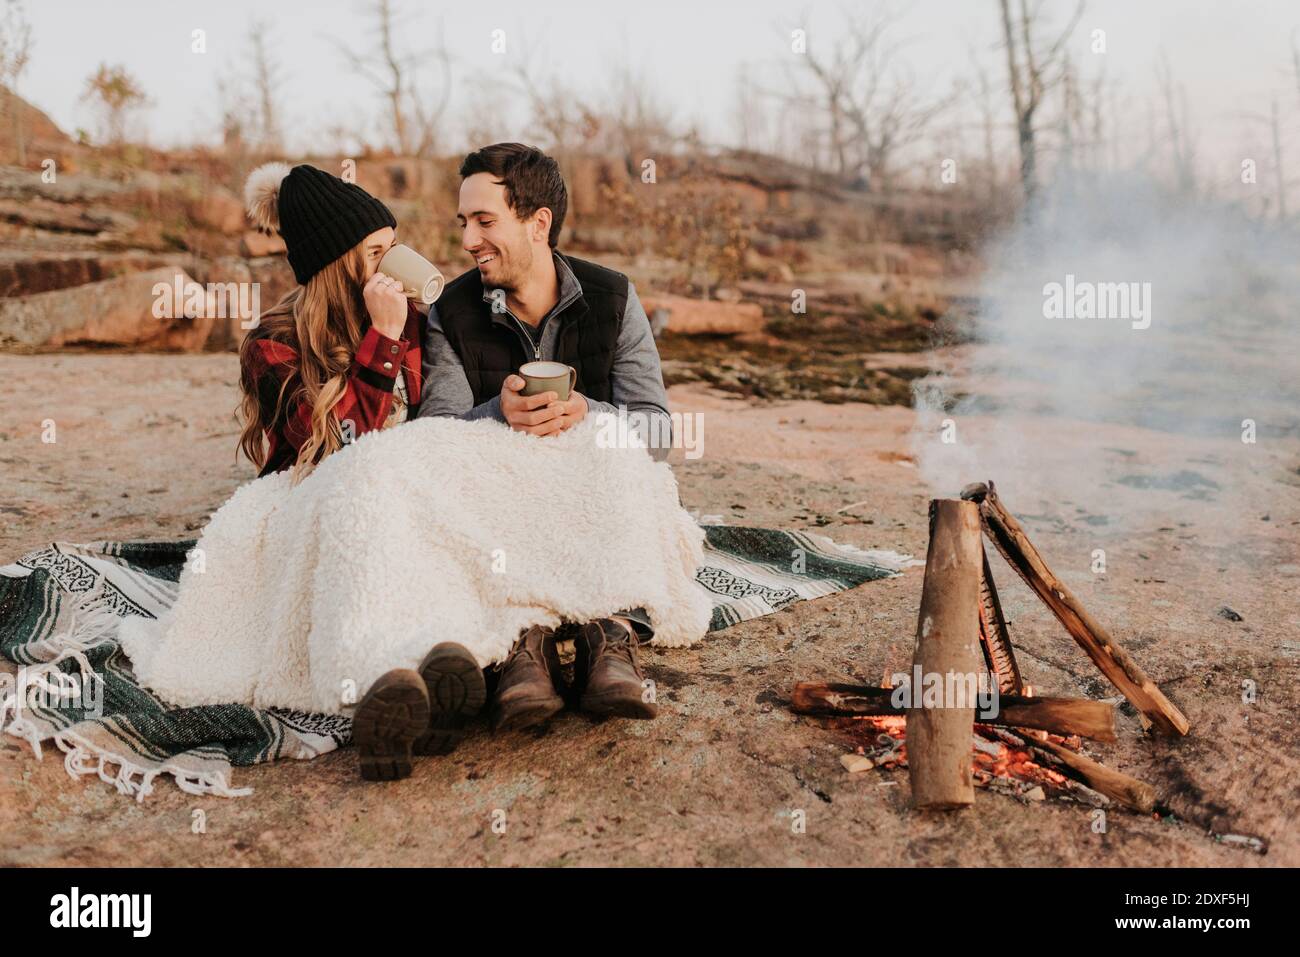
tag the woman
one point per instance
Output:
(339, 356)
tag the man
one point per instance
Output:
(525, 301)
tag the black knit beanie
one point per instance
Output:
(319, 215)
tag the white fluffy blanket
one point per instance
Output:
(439, 530)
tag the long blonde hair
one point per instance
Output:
(323, 322)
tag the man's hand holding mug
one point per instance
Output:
(544, 412)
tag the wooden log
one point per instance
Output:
(1114, 662)
(995, 639)
(1063, 716)
(947, 643)
(1117, 786)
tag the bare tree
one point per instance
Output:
(627, 120)
(889, 122)
(266, 83)
(751, 118)
(414, 127)
(562, 119)
(1182, 147)
(248, 98)
(429, 117)
(234, 107)
(835, 73)
(1094, 106)
(1279, 170)
(1070, 114)
(1033, 70)
(1082, 121)
(1295, 60)
(641, 123)
(15, 52)
(484, 110)
(116, 93)
(1273, 122)
(1117, 110)
(869, 99)
(988, 123)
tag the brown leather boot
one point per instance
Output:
(608, 672)
(386, 723)
(457, 692)
(526, 694)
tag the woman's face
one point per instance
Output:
(374, 246)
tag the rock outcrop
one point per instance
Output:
(117, 312)
(701, 316)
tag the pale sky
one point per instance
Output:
(1231, 54)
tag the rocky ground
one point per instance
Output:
(145, 450)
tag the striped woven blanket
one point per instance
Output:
(60, 607)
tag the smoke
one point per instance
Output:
(1125, 339)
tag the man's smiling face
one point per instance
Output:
(496, 238)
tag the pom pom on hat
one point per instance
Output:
(262, 195)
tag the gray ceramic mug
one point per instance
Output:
(542, 377)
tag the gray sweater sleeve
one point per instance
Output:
(446, 387)
(636, 380)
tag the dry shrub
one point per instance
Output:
(691, 223)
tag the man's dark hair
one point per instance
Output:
(531, 178)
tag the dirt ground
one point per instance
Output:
(144, 450)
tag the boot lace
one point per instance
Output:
(522, 651)
(619, 640)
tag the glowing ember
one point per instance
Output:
(994, 761)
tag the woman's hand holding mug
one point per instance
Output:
(387, 305)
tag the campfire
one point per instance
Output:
(998, 762)
(992, 730)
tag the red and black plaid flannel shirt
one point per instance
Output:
(366, 402)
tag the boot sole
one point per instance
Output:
(527, 714)
(385, 725)
(618, 707)
(457, 692)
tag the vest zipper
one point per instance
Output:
(528, 339)
(536, 343)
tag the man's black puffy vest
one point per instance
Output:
(491, 345)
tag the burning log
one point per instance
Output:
(947, 638)
(1115, 785)
(994, 637)
(1063, 716)
(1113, 660)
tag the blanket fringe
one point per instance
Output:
(891, 560)
(83, 758)
(39, 676)
(19, 727)
(91, 625)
